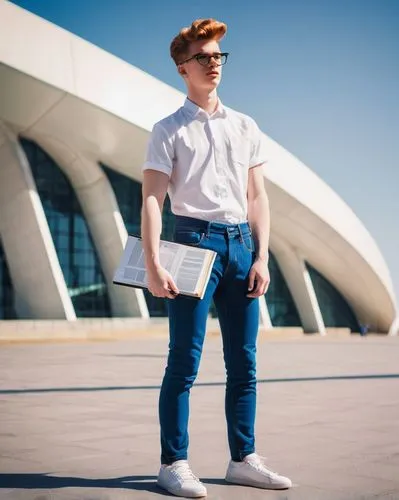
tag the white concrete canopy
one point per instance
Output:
(52, 80)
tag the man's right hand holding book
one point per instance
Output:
(161, 283)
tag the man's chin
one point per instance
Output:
(212, 86)
(205, 87)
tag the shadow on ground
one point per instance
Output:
(45, 481)
(199, 384)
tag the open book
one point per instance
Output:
(189, 266)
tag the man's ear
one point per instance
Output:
(181, 70)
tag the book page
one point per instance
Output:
(132, 267)
(190, 269)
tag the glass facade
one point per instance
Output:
(73, 243)
(281, 306)
(334, 308)
(7, 308)
(129, 198)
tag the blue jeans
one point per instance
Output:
(239, 321)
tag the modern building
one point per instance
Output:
(75, 121)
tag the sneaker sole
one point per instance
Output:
(180, 494)
(244, 482)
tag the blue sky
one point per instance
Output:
(319, 76)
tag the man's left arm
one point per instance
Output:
(259, 221)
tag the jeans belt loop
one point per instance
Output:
(240, 231)
(208, 230)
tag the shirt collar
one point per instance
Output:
(196, 111)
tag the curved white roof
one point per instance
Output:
(309, 215)
(60, 88)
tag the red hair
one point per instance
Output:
(200, 29)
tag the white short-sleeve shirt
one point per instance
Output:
(207, 158)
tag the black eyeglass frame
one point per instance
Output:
(209, 56)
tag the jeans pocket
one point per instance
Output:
(189, 237)
(248, 242)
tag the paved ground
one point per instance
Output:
(79, 420)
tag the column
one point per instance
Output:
(103, 217)
(296, 275)
(265, 320)
(39, 285)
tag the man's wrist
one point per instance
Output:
(263, 257)
(152, 264)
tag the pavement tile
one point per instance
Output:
(337, 439)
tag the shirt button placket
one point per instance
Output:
(214, 147)
(221, 189)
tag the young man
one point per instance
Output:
(208, 157)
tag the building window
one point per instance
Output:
(7, 298)
(281, 306)
(73, 243)
(334, 308)
(129, 198)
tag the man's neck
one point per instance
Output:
(208, 102)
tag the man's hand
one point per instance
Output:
(161, 284)
(259, 278)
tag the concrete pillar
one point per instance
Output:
(265, 320)
(394, 330)
(296, 275)
(103, 217)
(39, 285)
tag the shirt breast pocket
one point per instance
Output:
(185, 152)
(239, 152)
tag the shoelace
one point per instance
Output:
(183, 471)
(258, 462)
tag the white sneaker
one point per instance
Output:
(179, 480)
(252, 471)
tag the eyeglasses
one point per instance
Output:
(220, 58)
